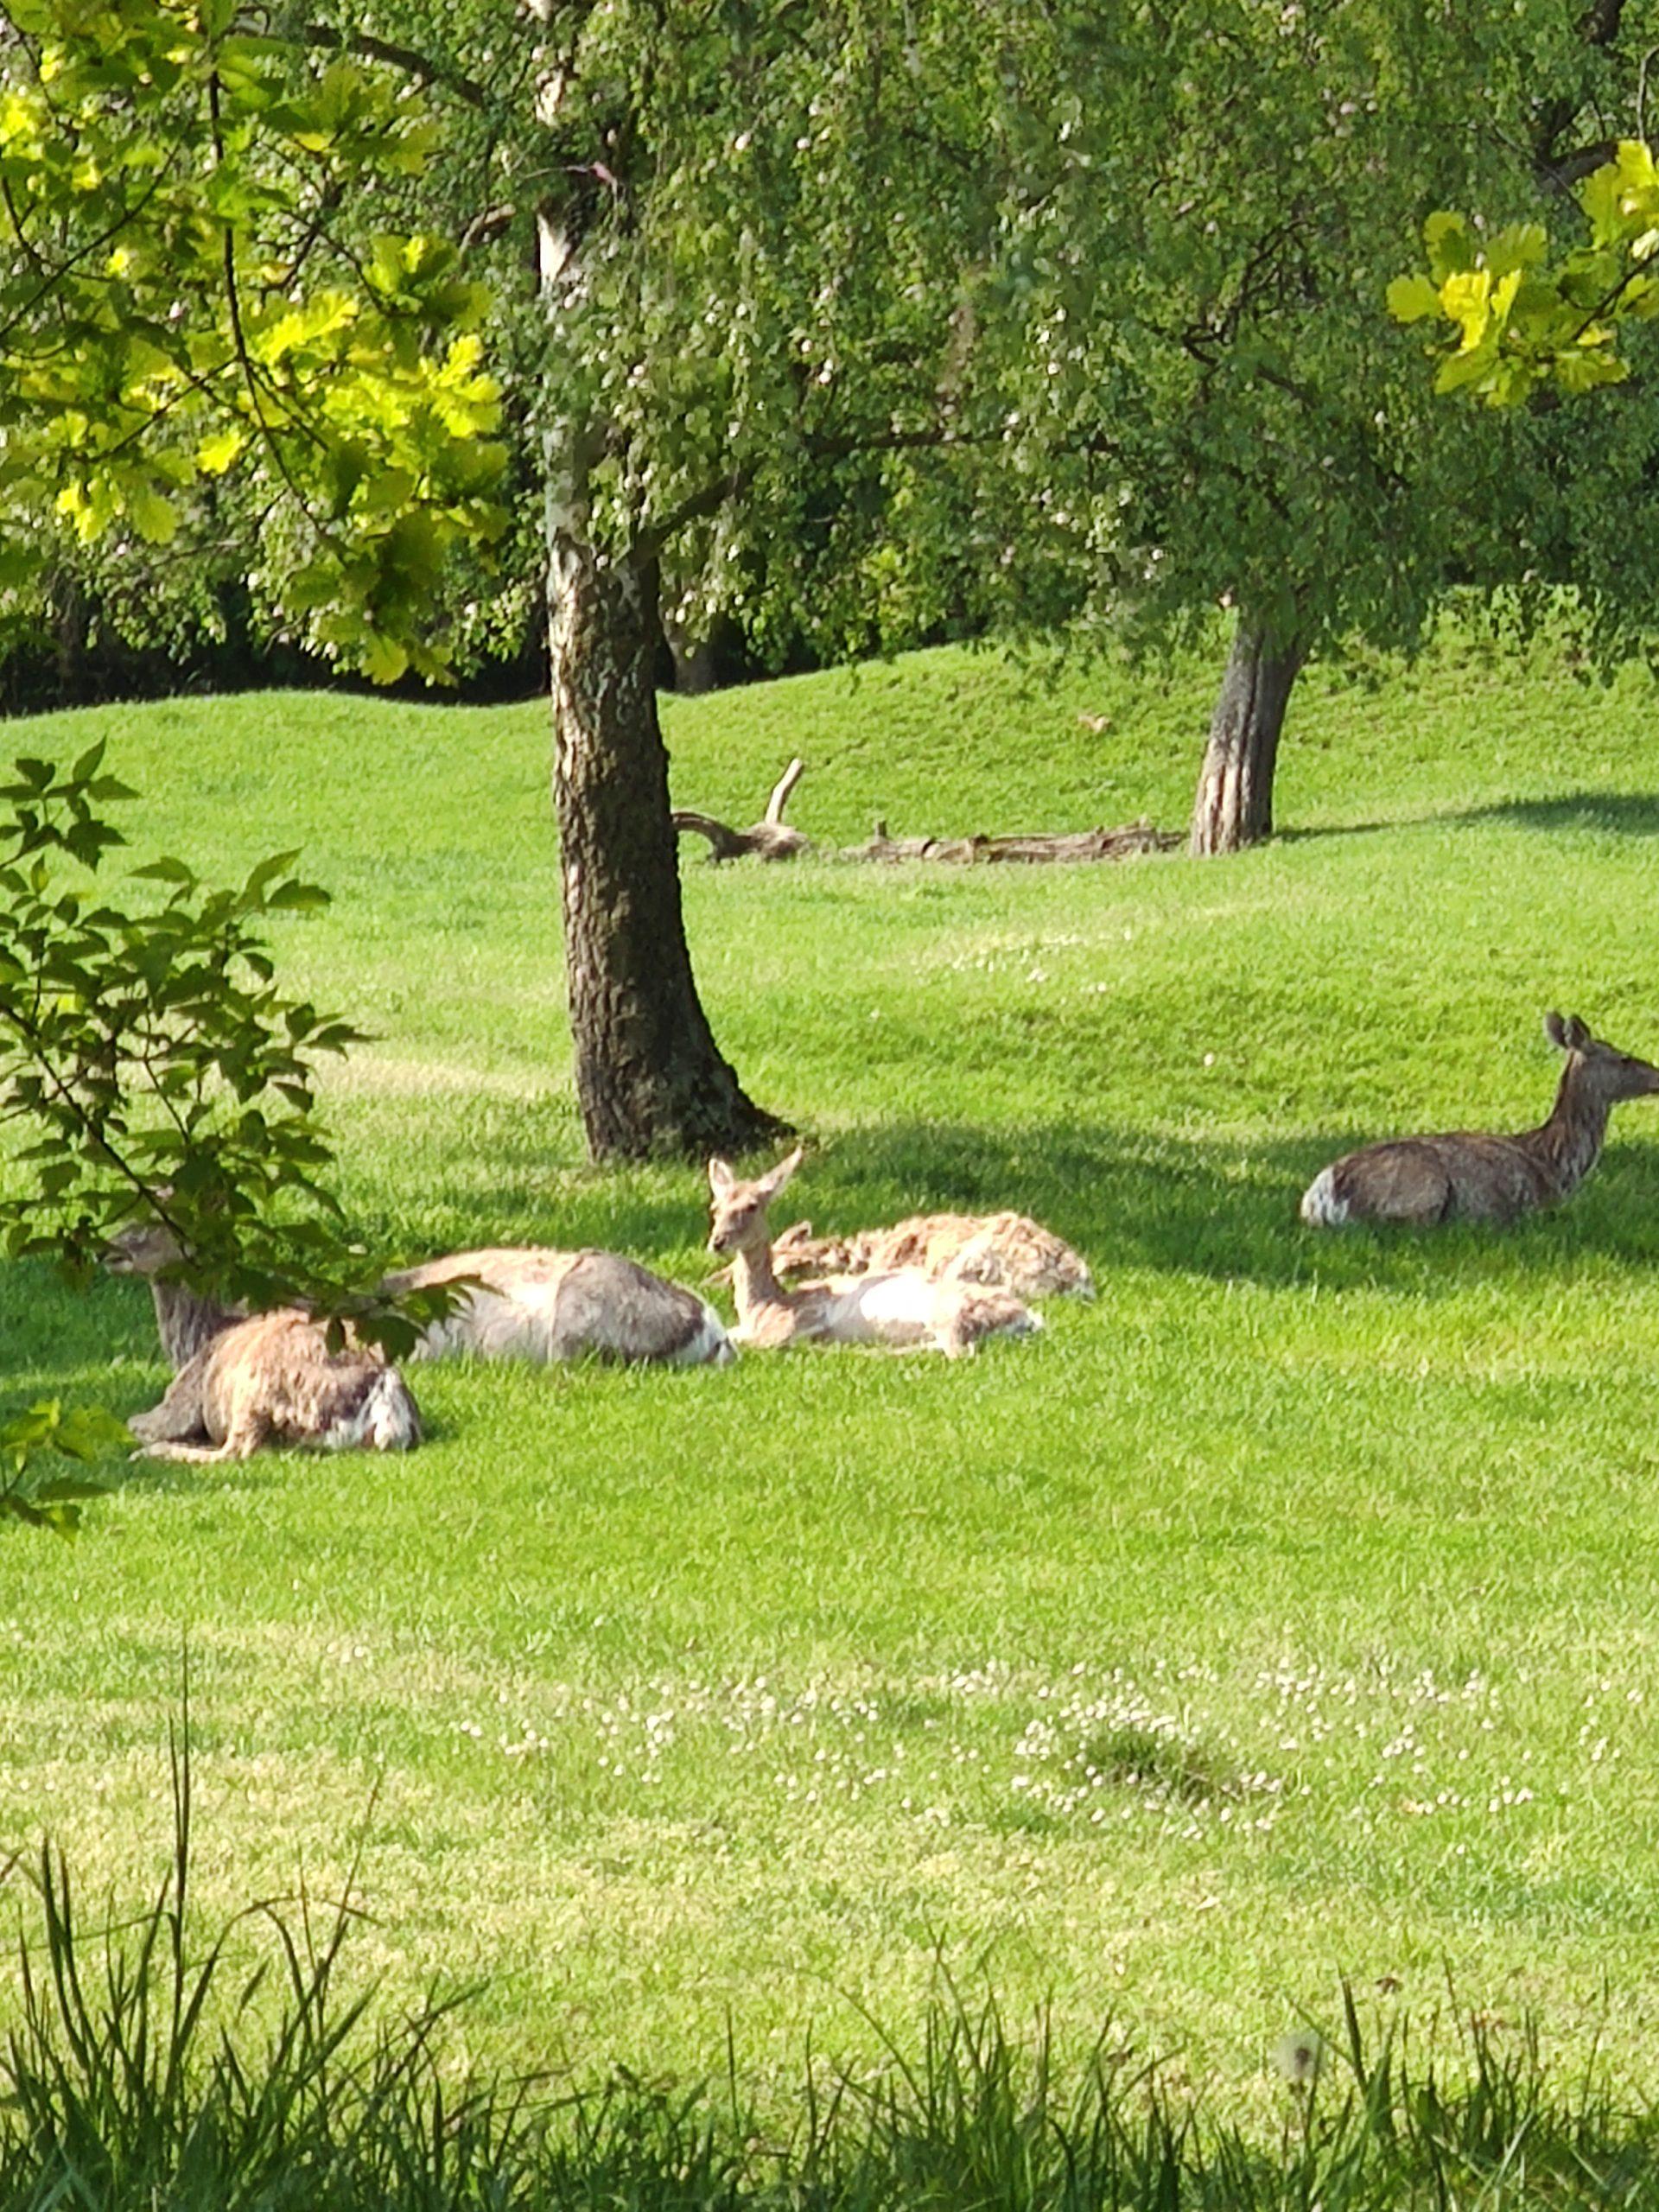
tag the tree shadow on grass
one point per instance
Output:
(1226, 1210)
(1214, 1209)
(61, 1338)
(1627, 814)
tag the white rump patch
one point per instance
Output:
(1321, 1207)
(384, 1421)
(904, 1301)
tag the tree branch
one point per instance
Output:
(419, 66)
(1598, 26)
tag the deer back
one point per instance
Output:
(277, 1372)
(530, 1302)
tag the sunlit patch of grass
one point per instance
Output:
(1287, 1613)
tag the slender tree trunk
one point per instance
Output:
(649, 1076)
(1234, 805)
(693, 657)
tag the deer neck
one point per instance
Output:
(1569, 1143)
(754, 1284)
(186, 1321)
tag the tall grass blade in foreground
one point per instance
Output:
(137, 2071)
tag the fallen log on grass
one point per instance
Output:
(770, 839)
(973, 852)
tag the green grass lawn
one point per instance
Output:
(1290, 1613)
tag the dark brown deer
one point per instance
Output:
(1469, 1176)
(900, 1308)
(185, 1321)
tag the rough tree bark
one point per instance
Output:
(650, 1077)
(1234, 805)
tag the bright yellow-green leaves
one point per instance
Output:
(172, 309)
(1524, 323)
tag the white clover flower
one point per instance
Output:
(1298, 2056)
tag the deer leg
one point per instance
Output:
(245, 1439)
(179, 1413)
(246, 1427)
(197, 1454)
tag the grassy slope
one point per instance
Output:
(659, 1699)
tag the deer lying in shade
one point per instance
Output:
(1469, 1176)
(1006, 1251)
(273, 1380)
(522, 1302)
(900, 1309)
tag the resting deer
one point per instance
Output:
(529, 1302)
(900, 1309)
(273, 1380)
(1469, 1176)
(1007, 1250)
(521, 1303)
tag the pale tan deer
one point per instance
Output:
(529, 1302)
(900, 1309)
(1006, 1251)
(522, 1302)
(273, 1380)
(1469, 1176)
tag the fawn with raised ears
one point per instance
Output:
(900, 1309)
(514, 1302)
(1471, 1176)
(1006, 1251)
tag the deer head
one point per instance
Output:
(1606, 1072)
(142, 1247)
(737, 1211)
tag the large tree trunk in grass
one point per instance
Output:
(649, 1076)
(1233, 806)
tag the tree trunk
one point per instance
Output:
(695, 670)
(1234, 805)
(649, 1076)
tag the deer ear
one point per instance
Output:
(1555, 1030)
(775, 1179)
(1578, 1038)
(720, 1178)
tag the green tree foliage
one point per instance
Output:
(755, 262)
(1531, 328)
(86, 1435)
(158, 1068)
(1525, 324)
(179, 300)
(1173, 399)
